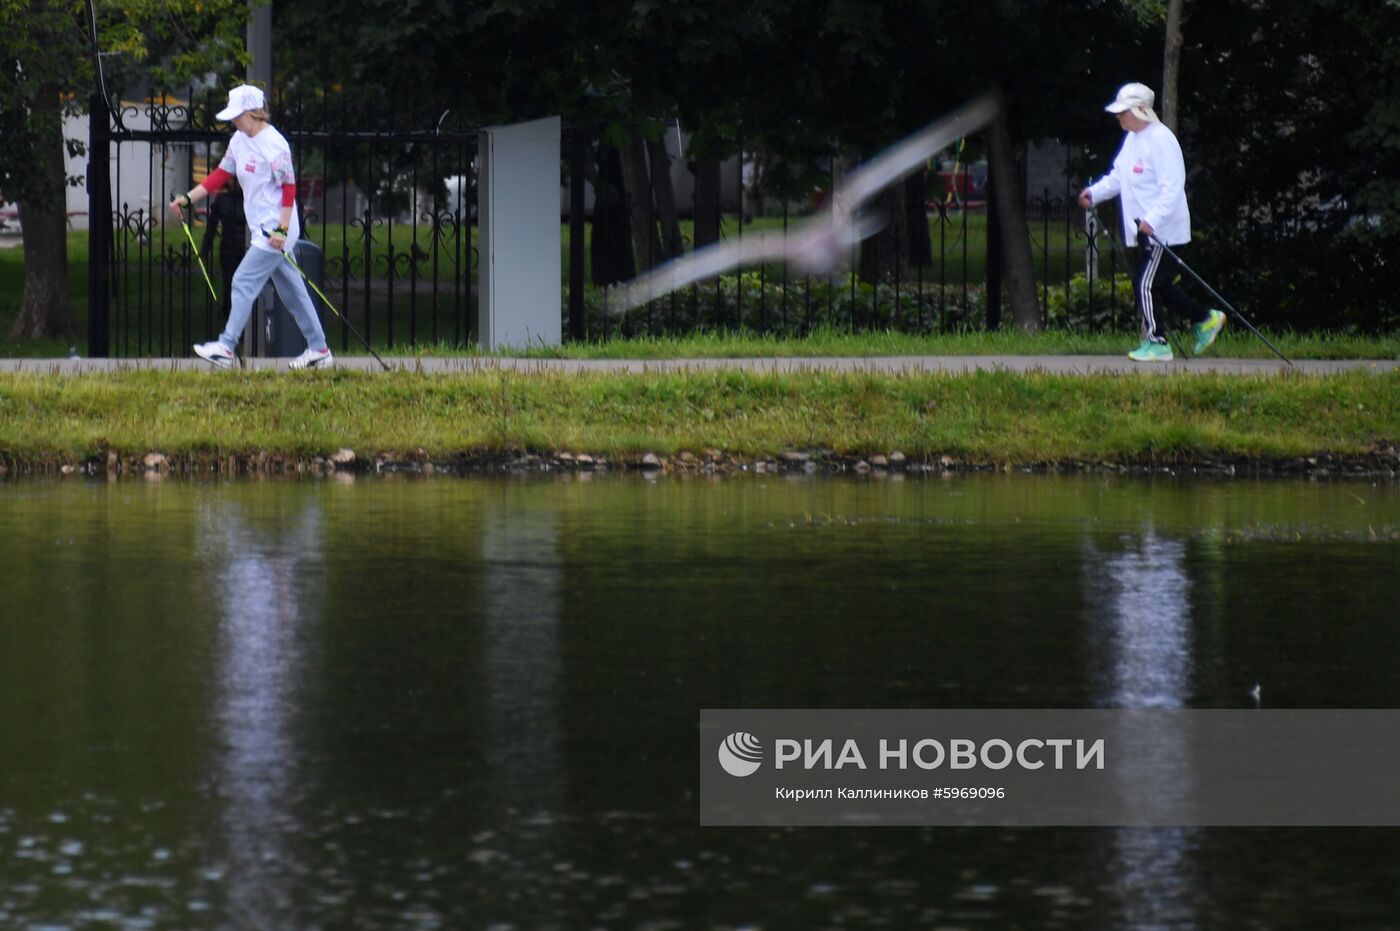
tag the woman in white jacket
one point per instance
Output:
(1150, 175)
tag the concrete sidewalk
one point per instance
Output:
(1062, 365)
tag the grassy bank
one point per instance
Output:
(1235, 343)
(977, 419)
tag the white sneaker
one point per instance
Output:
(313, 359)
(215, 352)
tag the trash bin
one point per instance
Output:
(282, 336)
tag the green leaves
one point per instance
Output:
(1148, 12)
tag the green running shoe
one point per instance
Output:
(1207, 331)
(1151, 352)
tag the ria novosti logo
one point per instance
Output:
(740, 754)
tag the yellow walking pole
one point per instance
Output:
(199, 258)
(951, 197)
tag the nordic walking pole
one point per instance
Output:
(199, 258)
(1216, 294)
(1128, 266)
(327, 301)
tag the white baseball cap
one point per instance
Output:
(1138, 99)
(243, 98)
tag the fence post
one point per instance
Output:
(99, 181)
(1091, 250)
(518, 203)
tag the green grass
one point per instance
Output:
(1007, 341)
(996, 417)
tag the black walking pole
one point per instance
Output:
(1098, 225)
(327, 301)
(1216, 294)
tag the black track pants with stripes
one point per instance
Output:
(1156, 290)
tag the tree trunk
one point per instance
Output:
(1171, 63)
(610, 252)
(1018, 265)
(46, 310)
(665, 198)
(995, 265)
(887, 252)
(646, 244)
(707, 177)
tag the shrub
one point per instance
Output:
(753, 303)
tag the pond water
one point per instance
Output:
(472, 703)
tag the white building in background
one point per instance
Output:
(139, 180)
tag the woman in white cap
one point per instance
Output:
(260, 158)
(1150, 175)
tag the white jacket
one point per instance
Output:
(1150, 175)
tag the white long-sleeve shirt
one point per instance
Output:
(1150, 175)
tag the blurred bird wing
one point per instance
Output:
(701, 264)
(903, 157)
(858, 187)
(862, 227)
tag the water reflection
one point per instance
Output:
(457, 704)
(263, 598)
(1142, 610)
(520, 797)
(520, 604)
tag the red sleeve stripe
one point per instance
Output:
(216, 181)
(289, 194)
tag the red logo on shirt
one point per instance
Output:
(1138, 169)
(252, 168)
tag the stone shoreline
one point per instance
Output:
(1381, 462)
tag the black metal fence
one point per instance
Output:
(392, 206)
(1082, 280)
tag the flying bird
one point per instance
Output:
(821, 243)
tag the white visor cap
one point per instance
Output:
(1136, 99)
(246, 97)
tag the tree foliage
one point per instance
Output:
(46, 70)
(1290, 111)
(46, 45)
(1291, 124)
